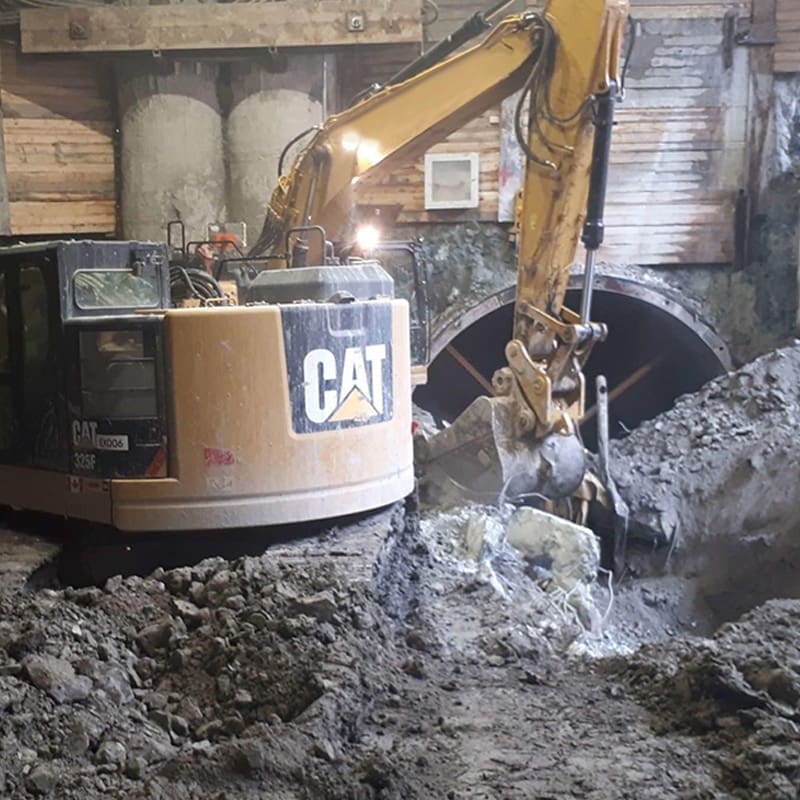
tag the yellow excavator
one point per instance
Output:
(523, 441)
(288, 397)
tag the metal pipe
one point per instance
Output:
(588, 286)
(470, 368)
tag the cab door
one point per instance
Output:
(31, 375)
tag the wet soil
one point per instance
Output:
(380, 661)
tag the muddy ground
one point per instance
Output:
(383, 660)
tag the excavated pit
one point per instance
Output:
(648, 330)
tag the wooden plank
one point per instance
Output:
(60, 103)
(59, 146)
(787, 49)
(94, 131)
(41, 186)
(215, 26)
(696, 246)
(683, 10)
(79, 216)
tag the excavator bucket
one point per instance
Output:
(481, 457)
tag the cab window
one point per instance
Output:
(114, 289)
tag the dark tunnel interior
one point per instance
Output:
(640, 333)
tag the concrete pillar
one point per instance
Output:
(267, 110)
(172, 158)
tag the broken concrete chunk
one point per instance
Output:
(111, 752)
(116, 685)
(57, 677)
(321, 606)
(157, 636)
(42, 779)
(481, 535)
(190, 613)
(570, 551)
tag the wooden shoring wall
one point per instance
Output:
(59, 145)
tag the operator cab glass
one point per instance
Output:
(114, 289)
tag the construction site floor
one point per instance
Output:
(381, 660)
(378, 663)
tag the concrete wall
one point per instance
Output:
(267, 110)
(200, 140)
(171, 156)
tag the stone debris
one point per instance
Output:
(482, 535)
(738, 694)
(558, 549)
(718, 478)
(56, 677)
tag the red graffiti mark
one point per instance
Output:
(215, 457)
(157, 468)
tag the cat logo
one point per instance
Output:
(354, 394)
(339, 363)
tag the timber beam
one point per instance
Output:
(213, 26)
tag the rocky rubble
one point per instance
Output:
(718, 477)
(738, 693)
(209, 676)
(388, 659)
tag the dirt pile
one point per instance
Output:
(201, 681)
(718, 476)
(738, 693)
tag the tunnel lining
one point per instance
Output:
(445, 334)
(664, 346)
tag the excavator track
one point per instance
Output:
(83, 555)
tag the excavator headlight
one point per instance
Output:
(368, 154)
(367, 237)
(350, 142)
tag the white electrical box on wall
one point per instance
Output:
(451, 180)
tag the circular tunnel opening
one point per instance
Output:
(656, 350)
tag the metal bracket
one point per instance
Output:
(356, 21)
(744, 32)
(755, 34)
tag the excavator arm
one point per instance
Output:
(402, 121)
(394, 126)
(566, 61)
